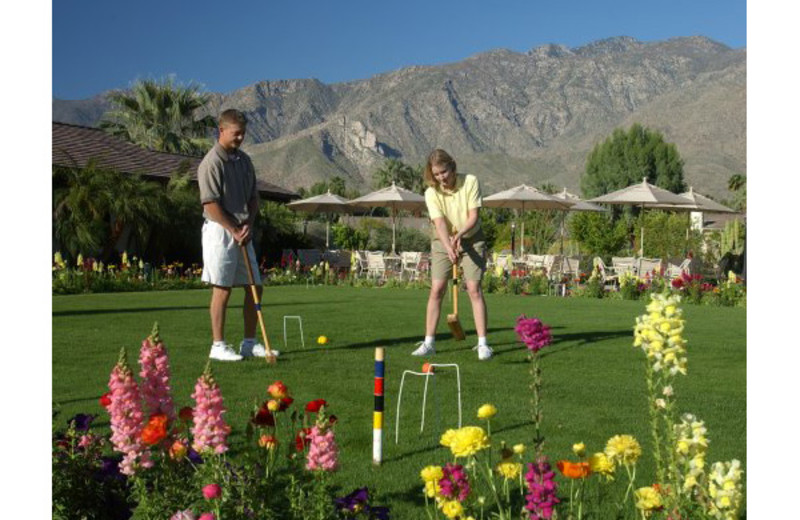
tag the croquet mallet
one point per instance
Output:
(269, 357)
(452, 319)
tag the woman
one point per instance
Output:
(453, 202)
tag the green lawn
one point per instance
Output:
(593, 378)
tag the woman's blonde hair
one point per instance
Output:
(440, 158)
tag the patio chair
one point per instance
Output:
(410, 264)
(309, 258)
(554, 265)
(674, 269)
(649, 266)
(362, 266)
(623, 264)
(376, 264)
(607, 278)
(534, 261)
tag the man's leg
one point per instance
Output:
(249, 311)
(217, 309)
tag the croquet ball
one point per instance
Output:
(426, 368)
(322, 340)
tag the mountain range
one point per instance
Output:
(508, 117)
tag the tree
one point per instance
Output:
(737, 183)
(626, 158)
(92, 206)
(401, 174)
(160, 115)
(597, 233)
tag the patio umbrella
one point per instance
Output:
(395, 198)
(325, 203)
(644, 195)
(576, 204)
(524, 197)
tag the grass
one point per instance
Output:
(593, 378)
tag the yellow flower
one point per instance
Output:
(579, 449)
(452, 508)
(273, 405)
(648, 499)
(322, 340)
(432, 488)
(519, 449)
(624, 449)
(465, 441)
(431, 473)
(487, 411)
(601, 464)
(509, 470)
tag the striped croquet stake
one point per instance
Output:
(377, 417)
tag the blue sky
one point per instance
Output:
(99, 45)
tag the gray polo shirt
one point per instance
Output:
(229, 180)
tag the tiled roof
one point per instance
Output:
(74, 146)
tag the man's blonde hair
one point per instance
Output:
(232, 117)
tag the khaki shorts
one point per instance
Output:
(472, 260)
(223, 264)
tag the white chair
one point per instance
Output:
(623, 264)
(607, 278)
(410, 264)
(571, 266)
(362, 266)
(649, 267)
(376, 264)
(675, 270)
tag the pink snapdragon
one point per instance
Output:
(186, 514)
(127, 418)
(542, 486)
(532, 332)
(454, 484)
(210, 430)
(155, 376)
(323, 454)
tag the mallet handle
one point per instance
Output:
(256, 300)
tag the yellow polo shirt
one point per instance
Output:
(454, 205)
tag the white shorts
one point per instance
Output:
(223, 264)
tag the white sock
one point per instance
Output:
(220, 344)
(429, 340)
(482, 341)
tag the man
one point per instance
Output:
(229, 197)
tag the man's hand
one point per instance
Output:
(243, 234)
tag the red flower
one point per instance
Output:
(332, 419)
(315, 405)
(285, 403)
(105, 399)
(186, 413)
(155, 430)
(301, 440)
(264, 417)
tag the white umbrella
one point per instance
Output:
(393, 197)
(325, 203)
(644, 195)
(524, 197)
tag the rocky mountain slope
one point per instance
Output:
(509, 117)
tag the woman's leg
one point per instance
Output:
(434, 306)
(478, 306)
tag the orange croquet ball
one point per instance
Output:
(427, 368)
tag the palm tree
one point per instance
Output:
(92, 206)
(401, 174)
(161, 116)
(736, 182)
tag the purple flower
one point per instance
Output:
(353, 500)
(533, 333)
(81, 421)
(193, 456)
(454, 484)
(542, 486)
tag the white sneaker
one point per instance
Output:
(224, 352)
(484, 352)
(424, 349)
(255, 350)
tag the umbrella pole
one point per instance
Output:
(394, 225)
(327, 233)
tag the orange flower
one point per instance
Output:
(178, 450)
(574, 469)
(278, 390)
(156, 429)
(268, 441)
